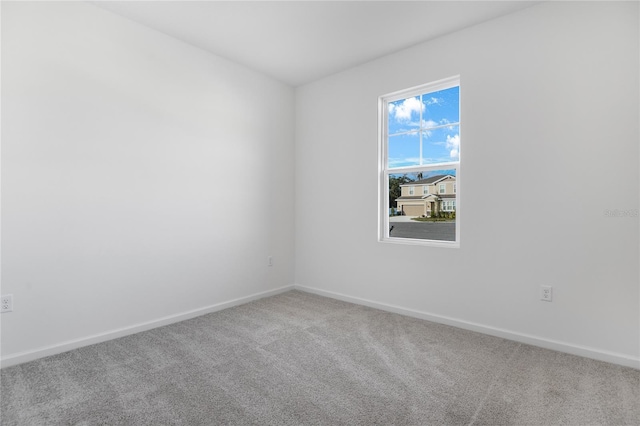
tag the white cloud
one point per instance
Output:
(413, 133)
(453, 145)
(400, 162)
(402, 111)
(432, 101)
(428, 123)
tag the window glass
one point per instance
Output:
(404, 150)
(420, 143)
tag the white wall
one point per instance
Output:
(549, 110)
(141, 178)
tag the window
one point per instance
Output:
(419, 140)
(449, 206)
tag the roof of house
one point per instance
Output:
(429, 180)
(418, 197)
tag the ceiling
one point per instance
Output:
(297, 42)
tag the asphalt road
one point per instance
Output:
(442, 231)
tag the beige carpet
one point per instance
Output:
(301, 359)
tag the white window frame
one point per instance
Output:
(425, 189)
(412, 190)
(442, 188)
(384, 171)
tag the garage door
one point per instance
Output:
(413, 210)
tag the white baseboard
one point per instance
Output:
(598, 354)
(21, 357)
(601, 355)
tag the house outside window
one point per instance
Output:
(419, 145)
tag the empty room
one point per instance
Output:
(320, 213)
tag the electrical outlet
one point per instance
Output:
(546, 293)
(6, 303)
(270, 261)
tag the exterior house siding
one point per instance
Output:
(420, 203)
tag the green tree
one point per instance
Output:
(394, 188)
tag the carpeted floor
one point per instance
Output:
(302, 359)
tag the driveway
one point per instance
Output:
(404, 227)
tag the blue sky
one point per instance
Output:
(407, 131)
